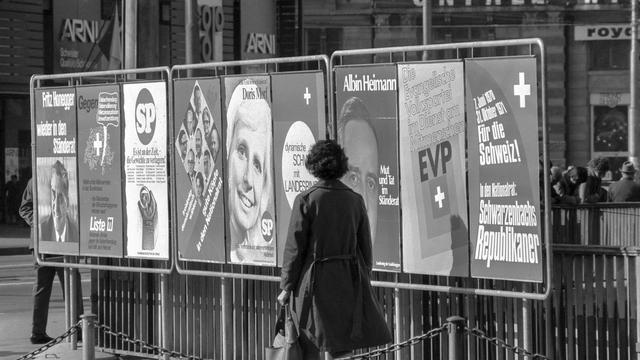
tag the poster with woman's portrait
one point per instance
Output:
(251, 231)
(198, 162)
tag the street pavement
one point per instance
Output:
(16, 283)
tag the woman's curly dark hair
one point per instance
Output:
(326, 160)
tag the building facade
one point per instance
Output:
(587, 44)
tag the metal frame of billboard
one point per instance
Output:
(109, 77)
(271, 66)
(402, 51)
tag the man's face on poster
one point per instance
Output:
(206, 164)
(191, 162)
(197, 100)
(361, 148)
(199, 185)
(191, 123)
(198, 142)
(215, 142)
(206, 122)
(183, 144)
(59, 201)
(247, 174)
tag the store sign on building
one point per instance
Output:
(258, 29)
(603, 32)
(210, 25)
(82, 40)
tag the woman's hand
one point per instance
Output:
(284, 296)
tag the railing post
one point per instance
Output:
(73, 305)
(455, 326)
(164, 313)
(88, 333)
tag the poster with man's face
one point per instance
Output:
(367, 123)
(145, 168)
(56, 171)
(99, 170)
(199, 178)
(251, 231)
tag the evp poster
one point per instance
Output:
(504, 191)
(100, 170)
(198, 170)
(298, 121)
(57, 180)
(251, 231)
(432, 152)
(367, 126)
(145, 170)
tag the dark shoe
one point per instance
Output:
(40, 339)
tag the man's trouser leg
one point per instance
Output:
(41, 297)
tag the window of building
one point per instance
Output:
(609, 54)
(610, 129)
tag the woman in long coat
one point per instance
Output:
(327, 262)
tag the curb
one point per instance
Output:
(15, 251)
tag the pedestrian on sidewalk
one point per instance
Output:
(44, 276)
(326, 272)
(12, 198)
(625, 189)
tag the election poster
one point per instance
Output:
(100, 170)
(298, 120)
(198, 172)
(145, 170)
(56, 171)
(251, 231)
(432, 162)
(504, 190)
(367, 127)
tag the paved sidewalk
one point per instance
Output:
(14, 239)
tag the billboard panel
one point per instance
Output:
(199, 178)
(145, 170)
(298, 120)
(251, 232)
(504, 188)
(100, 170)
(57, 181)
(434, 207)
(367, 124)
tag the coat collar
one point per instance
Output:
(331, 184)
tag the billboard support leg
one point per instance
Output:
(65, 292)
(396, 306)
(227, 319)
(73, 306)
(164, 295)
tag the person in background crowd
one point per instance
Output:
(567, 188)
(625, 189)
(555, 176)
(44, 278)
(12, 198)
(591, 190)
(327, 263)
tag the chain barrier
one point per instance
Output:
(501, 343)
(72, 330)
(399, 346)
(157, 350)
